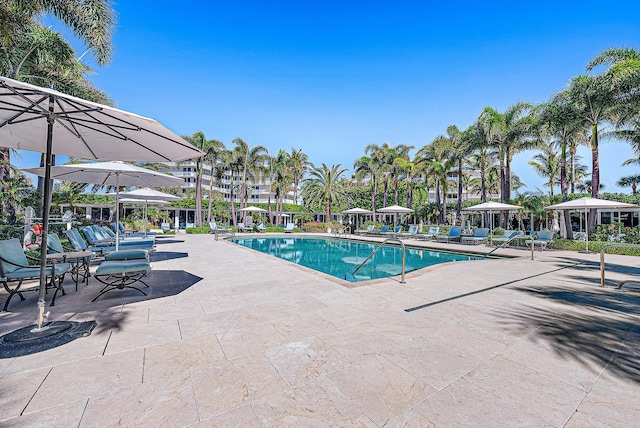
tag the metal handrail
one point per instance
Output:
(604, 249)
(513, 236)
(376, 250)
(340, 232)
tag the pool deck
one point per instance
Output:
(232, 337)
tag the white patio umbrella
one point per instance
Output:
(357, 212)
(252, 209)
(395, 210)
(50, 122)
(147, 195)
(491, 207)
(587, 204)
(115, 174)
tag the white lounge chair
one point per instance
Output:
(289, 228)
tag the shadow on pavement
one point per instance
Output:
(599, 327)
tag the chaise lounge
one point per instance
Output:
(454, 235)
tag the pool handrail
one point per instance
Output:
(604, 249)
(394, 239)
(513, 236)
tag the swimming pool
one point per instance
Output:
(340, 257)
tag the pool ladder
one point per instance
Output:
(376, 250)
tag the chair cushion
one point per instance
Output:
(34, 272)
(11, 250)
(127, 255)
(123, 267)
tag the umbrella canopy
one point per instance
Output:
(582, 203)
(492, 206)
(395, 209)
(357, 212)
(82, 128)
(148, 194)
(252, 209)
(114, 173)
(142, 201)
(50, 122)
(586, 204)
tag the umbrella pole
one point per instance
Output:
(586, 229)
(45, 220)
(146, 201)
(117, 211)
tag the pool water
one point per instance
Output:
(340, 257)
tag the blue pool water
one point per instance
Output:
(340, 257)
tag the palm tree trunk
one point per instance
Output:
(210, 205)
(564, 189)
(459, 204)
(5, 175)
(595, 173)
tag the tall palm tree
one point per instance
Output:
(214, 157)
(410, 170)
(630, 181)
(435, 157)
(325, 187)
(367, 166)
(253, 160)
(510, 132)
(298, 163)
(547, 164)
(280, 179)
(199, 140)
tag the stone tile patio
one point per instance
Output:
(231, 337)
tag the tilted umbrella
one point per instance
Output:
(148, 195)
(586, 204)
(113, 173)
(50, 122)
(491, 207)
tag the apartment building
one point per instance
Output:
(258, 191)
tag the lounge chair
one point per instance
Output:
(413, 231)
(79, 265)
(506, 237)
(395, 232)
(189, 226)
(78, 243)
(480, 236)
(244, 228)
(14, 267)
(289, 228)
(368, 230)
(261, 227)
(107, 233)
(94, 241)
(165, 227)
(544, 239)
(383, 230)
(216, 229)
(454, 235)
(431, 234)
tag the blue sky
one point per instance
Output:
(331, 77)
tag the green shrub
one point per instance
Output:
(595, 246)
(197, 230)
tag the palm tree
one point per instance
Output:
(214, 157)
(435, 157)
(199, 140)
(253, 160)
(410, 170)
(325, 187)
(298, 163)
(367, 166)
(91, 22)
(510, 132)
(630, 181)
(280, 179)
(547, 164)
